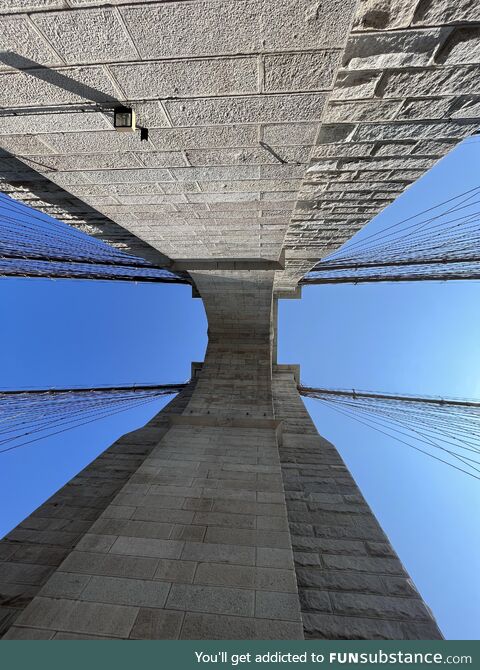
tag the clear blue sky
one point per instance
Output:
(418, 338)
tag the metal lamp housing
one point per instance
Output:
(124, 119)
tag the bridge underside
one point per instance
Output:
(227, 516)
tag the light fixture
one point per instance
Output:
(124, 119)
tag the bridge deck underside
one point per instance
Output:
(271, 124)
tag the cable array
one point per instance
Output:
(447, 430)
(27, 416)
(440, 243)
(33, 244)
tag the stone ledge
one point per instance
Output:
(226, 264)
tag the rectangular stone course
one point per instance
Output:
(73, 616)
(212, 599)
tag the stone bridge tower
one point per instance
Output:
(276, 130)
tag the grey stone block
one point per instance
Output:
(261, 538)
(157, 625)
(65, 585)
(169, 516)
(301, 71)
(274, 558)
(93, 542)
(272, 523)
(330, 627)
(188, 78)
(338, 580)
(175, 571)
(20, 633)
(388, 566)
(313, 600)
(109, 564)
(306, 558)
(383, 607)
(21, 89)
(199, 30)
(281, 134)
(274, 605)
(189, 533)
(133, 528)
(199, 504)
(432, 12)
(253, 109)
(211, 599)
(270, 579)
(81, 36)
(219, 553)
(120, 591)
(23, 573)
(125, 176)
(401, 49)
(225, 519)
(139, 546)
(179, 139)
(79, 617)
(460, 80)
(216, 627)
(220, 574)
(46, 123)
(20, 37)
(268, 629)
(80, 636)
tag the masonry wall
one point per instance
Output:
(196, 543)
(351, 582)
(195, 537)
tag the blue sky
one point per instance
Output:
(408, 337)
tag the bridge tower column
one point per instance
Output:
(187, 528)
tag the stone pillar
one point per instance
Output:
(184, 529)
(196, 542)
(351, 582)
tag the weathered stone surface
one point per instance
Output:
(186, 78)
(25, 5)
(120, 591)
(211, 599)
(45, 123)
(35, 88)
(153, 624)
(19, 38)
(69, 615)
(347, 112)
(379, 606)
(328, 627)
(264, 109)
(289, 133)
(433, 108)
(353, 85)
(384, 14)
(443, 11)
(456, 81)
(81, 36)
(405, 131)
(198, 29)
(107, 141)
(301, 71)
(399, 49)
(462, 47)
